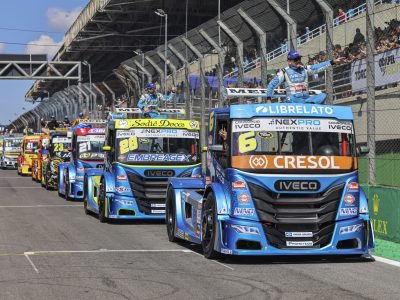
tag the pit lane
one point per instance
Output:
(49, 249)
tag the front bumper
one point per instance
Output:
(76, 191)
(125, 207)
(235, 243)
(26, 169)
(10, 164)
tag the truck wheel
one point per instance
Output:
(209, 228)
(170, 216)
(85, 196)
(58, 184)
(101, 203)
(46, 182)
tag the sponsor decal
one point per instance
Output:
(79, 178)
(97, 131)
(159, 173)
(186, 237)
(158, 211)
(96, 156)
(298, 234)
(265, 134)
(349, 199)
(161, 123)
(145, 133)
(299, 243)
(157, 204)
(124, 202)
(244, 198)
(297, 185)
(375, 203)
(293, 162)
(353, 187)
(158, 157)
(180, 233)
(122, 189)
(198, 230)
(239, 185)
(294, 109)
(241, 211)
(91, 138)
(348, 211)
(122, 177)
(226, 251)
(80, 169)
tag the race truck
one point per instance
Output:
(281, 179)
(37, 163)
(11, 148)
(87, 152)
(58, 152)
(30, 147)
(141, 154)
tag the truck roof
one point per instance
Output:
(247, 111)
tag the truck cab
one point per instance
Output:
(86, 153)
(141, 155)
(58, 153)
(11, 148)
(280, 179)
(38, 163)
(30, 146)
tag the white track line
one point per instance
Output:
(41, 206)
(31, 262)
(103, 251)
(387, 261)
(214, 261)
(20, 187)
(12, 177)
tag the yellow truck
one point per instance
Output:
(30, 146)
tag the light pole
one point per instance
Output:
(162, 14)
(90, 80)
(141, 53)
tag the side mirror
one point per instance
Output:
(204, 149)
(106, 148)
(216, 148)
(362, 150)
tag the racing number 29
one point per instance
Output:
(127, 145)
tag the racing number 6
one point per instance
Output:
(247, 142)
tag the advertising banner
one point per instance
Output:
(384, 208)
(387, 70)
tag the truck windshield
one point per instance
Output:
(31, 146)
(59, 147)
(12, 145)
(283, 144)
(158, 146)
(90, 147)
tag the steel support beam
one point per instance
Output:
(103, 100)
(173, 71)
(262, 38)
(328, 12)
(220, 70)
(144, 70)
(111, 92)
(291, 24)
(159, 71)
(239, 53)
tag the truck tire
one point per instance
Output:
(101, 203)
(209, 228)
(170, 216)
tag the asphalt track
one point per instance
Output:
(49, 249)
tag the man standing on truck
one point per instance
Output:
(295, 77)
(150, 101)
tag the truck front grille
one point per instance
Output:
(287, 216)
(149, 193)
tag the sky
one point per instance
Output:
(31, 27)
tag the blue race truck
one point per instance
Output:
(87, 152)
(141, 155)
(281, 179)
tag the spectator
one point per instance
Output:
(284, 46)
(359, 37)
(341, 16)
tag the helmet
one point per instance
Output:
(150, 86)
(80, 114)
(53, 117)
(328, 150)
(293, 54)
(65, 117)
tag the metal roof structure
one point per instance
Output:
(107, 31)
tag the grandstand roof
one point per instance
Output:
(107, 31)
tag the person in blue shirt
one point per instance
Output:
(151, 100)
(295, 78)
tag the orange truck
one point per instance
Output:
(42, 156)
(29, 152)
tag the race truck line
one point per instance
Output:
(10, 149)
(141, 155)
(30, 147)
(86, 153)
(281, 179)
(37, 163)
(58, 152)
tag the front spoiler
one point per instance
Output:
(118, 203)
